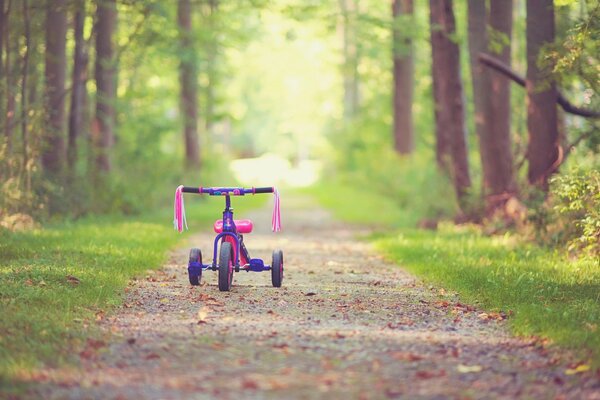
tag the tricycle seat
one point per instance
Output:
(242, 225)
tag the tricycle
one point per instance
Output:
(229, 241)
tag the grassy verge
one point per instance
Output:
(546, 294)
(55, 281)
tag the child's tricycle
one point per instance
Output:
(233, 255)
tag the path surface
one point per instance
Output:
(346, 324)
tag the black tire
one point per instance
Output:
(277, 268)
(195, 256)
(225, 267)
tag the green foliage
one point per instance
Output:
(571, 216)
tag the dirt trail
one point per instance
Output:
(345, 324)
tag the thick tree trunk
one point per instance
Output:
(350, 52)
(106, 19)
(477, 30)
(78, 86)
(189, 84)
(448, 97)
(542, 121)
(53, 152)
(491, 93)
(498, 179)
(403, 79)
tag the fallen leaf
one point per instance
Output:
(430, 374)
(29, 282)
(405, 356)
(466, 369)
(579, 369)
(310, 294)
(152, 356)
(202, 315)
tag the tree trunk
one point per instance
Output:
(438, 40)
(3, 20)
(403, 79)
(53, 152)
(499, 180)
(211, 66)
(542, 121)
(350, 53)
(106, 19)
(25, 74)
(491, 93)
(78, 86)
(189, 84)
(10, 84)
(448, 95)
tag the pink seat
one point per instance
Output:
(242, 225)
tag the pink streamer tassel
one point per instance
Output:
(179, 220)
(276, 220)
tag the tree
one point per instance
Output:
(491, 93)
(78, 86)
(53, 151)
(448, 97)
(188, 72)
(403, 77)
(543, 154)
(103, 129)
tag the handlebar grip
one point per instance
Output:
(263, 190)
(190, 189)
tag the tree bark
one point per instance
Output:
(103, 131)
(499, 175)
(403, 79)
(25, 74)
(78, 86)
(491, 93)
(2, 30)
(211, 66)
(189, 84)
(477, 32)
(448, 97)
(10, 94)
(53, 152)
(542, 120)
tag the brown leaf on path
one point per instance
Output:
(430, 374)
(406, 356)
(100, 315)
(202, 315)
(250, 384)
(152, 356)
(310, 294)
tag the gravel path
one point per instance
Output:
(346, 323)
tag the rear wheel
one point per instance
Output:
(277, 268)
(225, 267)
(195, 267)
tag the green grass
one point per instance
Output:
(546, 294)
(45, 318)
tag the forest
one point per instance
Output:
(449, 120)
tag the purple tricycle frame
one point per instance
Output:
(229, 252)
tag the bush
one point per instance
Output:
(571, 215)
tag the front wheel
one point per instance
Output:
(225, 267)
(277, 268)
(195, 267)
